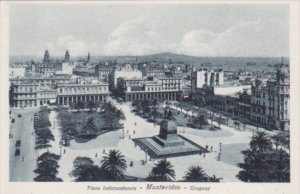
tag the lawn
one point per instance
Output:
(81, 117)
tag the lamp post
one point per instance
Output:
(146, 155)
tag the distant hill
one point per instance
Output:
(227, 63)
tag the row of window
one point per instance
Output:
(83, 89)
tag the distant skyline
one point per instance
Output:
(260, 30)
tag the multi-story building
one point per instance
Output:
(50, 81)
(23, 95)
(206, 77)
(69, 93)
(84, 71)
(103, 71)
(46, 96)
(244, 105)
(144, 88)
(153, 70)
(270, 101)
(176, 71)
(124, 72)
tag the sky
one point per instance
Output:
(121, 29)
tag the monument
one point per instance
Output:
(168, 143)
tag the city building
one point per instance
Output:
(68, 93)
(23, 94)
(206, 77)
(149, 88)
(270, 100)
(153, 70)
(103, 71)
(17, 71)
(84, 71)
(46, 96)
(124, 72)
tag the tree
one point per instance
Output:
(200, 120)
(279, 139)
(112, 115)
(114, 165)
(162, 171)
(261, 141)
(84, 169)
(79, 105)
(154, 110)
(264, 164)
(43, 137)
(214, 179)
(195, 174)
(47, 168)
(91, 105)
(270, 166)
(90, 126)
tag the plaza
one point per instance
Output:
(227, 141)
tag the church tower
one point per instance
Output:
(46, 56)
(67, 56)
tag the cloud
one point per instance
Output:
(136, 37)
(146, 35)
(240, 39)
(75, 46)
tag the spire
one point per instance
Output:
(88, 57)
(67, 56)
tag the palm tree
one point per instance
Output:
(195, 174)
(114, 165)
(163, 171)
(79, 105)
(90, 126)
(261, 141)
(215, 179)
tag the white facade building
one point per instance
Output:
(206, 77)
(125, 72)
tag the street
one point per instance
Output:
(22, 166)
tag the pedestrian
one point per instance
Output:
(204, 155)
(206, 147)
(96, 155)
(103, 151)
(133, 131)
(64, 151)
(22, 158)
(211, 148)
(129, 137)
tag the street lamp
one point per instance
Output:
(146, 155)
